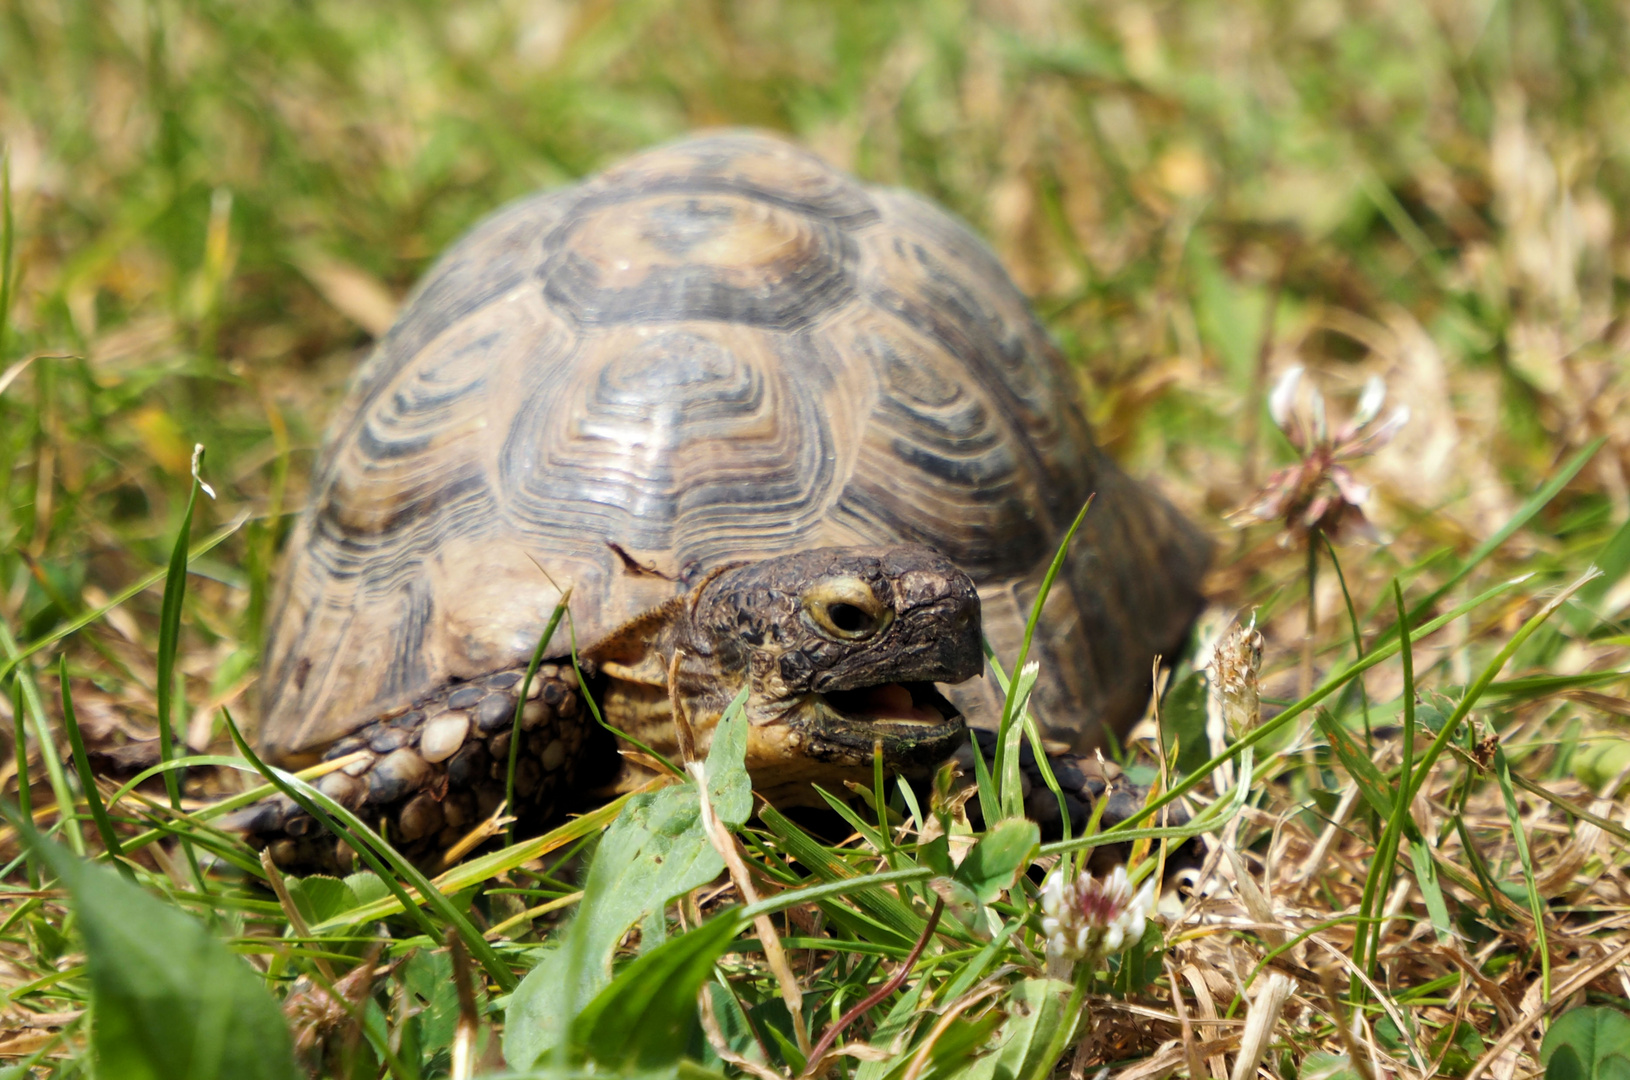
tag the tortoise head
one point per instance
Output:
(839, 649)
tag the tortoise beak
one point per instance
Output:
(915, 726)
(935, 638)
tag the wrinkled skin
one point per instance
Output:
(839, 649)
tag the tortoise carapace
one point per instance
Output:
(772, 428)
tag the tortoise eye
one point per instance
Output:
(844, 608)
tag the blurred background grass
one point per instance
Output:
(214, 207)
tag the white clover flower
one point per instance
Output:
(1089, 917)
(1370, 402)
(1319, 494)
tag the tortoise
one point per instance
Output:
(770, 427)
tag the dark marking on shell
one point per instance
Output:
(494, 710)
(397, 774)
(722, 348)
(464, 697)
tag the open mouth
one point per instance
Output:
(906, 705)
(913, 723)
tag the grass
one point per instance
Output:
(209, 210)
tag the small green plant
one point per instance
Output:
(167, 1000)
(1590, 1043)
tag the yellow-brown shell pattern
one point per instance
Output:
(721, 349)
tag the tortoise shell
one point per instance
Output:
(721, 349)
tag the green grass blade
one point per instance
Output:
(1387, 848)
(1536, 903)
(87, 780)
(520, 706)
(1426, 876)
(1475, 692)
(1401, 809)
(169, 636)
(1213, 817)
(1010, 702)
(984, 784)
(861, 885)
(888, 910)
(1372, 783)
(54, 772)
(870, 833)
(1366, 945)
(1608, 826)
(880, 801)
(472, 872)
(1352, 620)
(599, 718)
(1033, 732)
(169, 644)
(25, 796)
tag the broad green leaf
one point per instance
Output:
(936, 855)
(645, 1018)
(733, 1023)
(1322, 1066)
(655, 851)
(428, 976)
(729, 788)
(366, 887)
(1434, 710)
(1460, 1047)
(1183, 721)
(991, 865)
(961, 904)
(320, 897)
(1426, 876)
(169, 1002)
(1141, 963)
(1380, 794)
(1590, 1043)
(1035, 1009)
